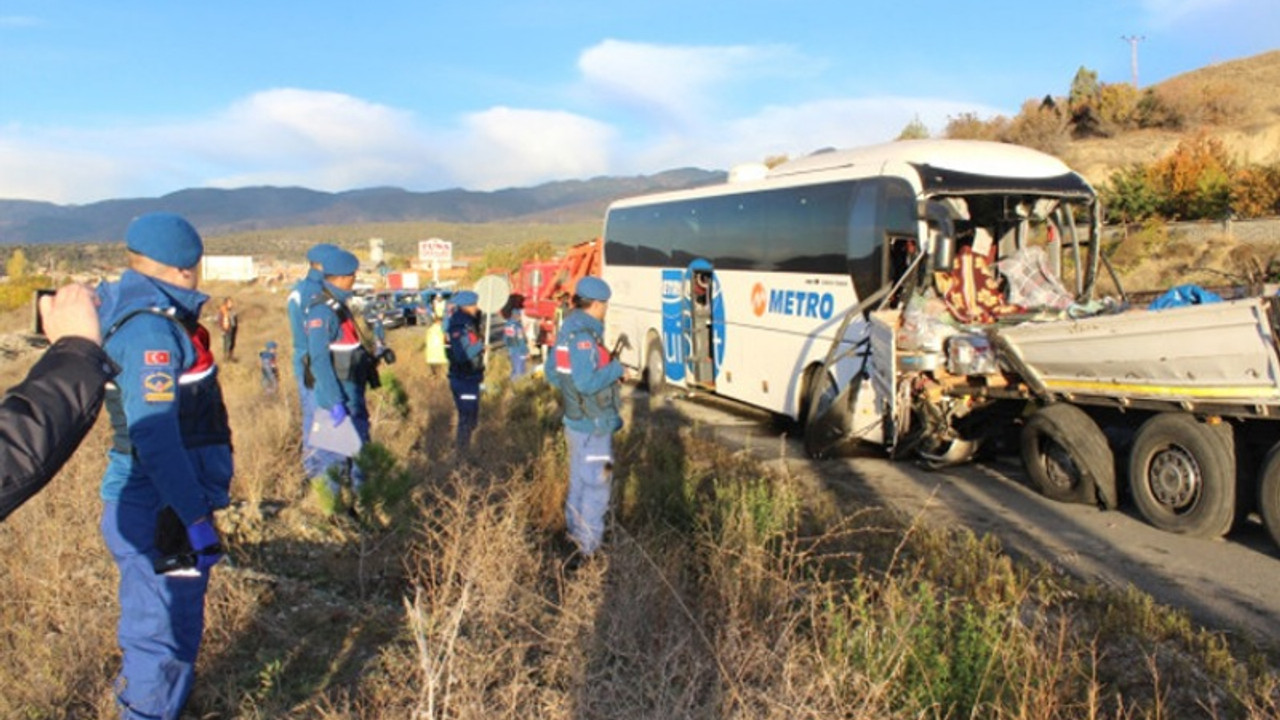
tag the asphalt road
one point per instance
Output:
(1230, 585)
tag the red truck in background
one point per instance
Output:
(542, 285)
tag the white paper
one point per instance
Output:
(342, 439)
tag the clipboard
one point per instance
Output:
(341, 439)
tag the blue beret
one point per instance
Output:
(466, 298)
(318, 251)
(593, 288)
(339, 262)
(166, 238)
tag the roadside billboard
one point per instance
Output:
(436, 253)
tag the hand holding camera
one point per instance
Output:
(71, 311)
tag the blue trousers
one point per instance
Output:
(311, 464)
(518, 364)
(466, 397)
(590, 473)
(161, 618)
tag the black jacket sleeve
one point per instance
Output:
(43, 419)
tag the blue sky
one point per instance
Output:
(128, 98)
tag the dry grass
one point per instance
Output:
(725, 591)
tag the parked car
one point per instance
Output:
(411, 307)
(382, 306)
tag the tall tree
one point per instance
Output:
(914, 130)
(16, 267)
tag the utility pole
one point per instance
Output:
(1133, 41)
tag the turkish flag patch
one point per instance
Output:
(155, 357)
(584, 345)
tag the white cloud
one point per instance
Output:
(53, 169)
(321, 140)
(505, 147)
(676, 84)
(333, 141)
(800, 129)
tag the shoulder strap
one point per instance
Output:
(169, 315)
(582, 329)
(326, 297)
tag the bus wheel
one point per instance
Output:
(655, 371)
(1183, 475)
(1067, 456)
(824, 420)
(1269, 493)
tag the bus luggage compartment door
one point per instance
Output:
(703, 324)
(673, 324)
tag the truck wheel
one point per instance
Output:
(1183, 475)
(1269, 493)
(1067, 456)
(655, 371)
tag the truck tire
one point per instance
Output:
(1269, 493)
(1182, 474)
(1067, 456)
(655, 371)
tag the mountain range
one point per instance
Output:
(215, 211)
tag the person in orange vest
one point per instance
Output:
(229, 323)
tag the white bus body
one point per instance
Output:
(786, 255)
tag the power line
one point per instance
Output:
(1133, 41)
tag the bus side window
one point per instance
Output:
(899, 223)
(865, 247)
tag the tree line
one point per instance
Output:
(1198, 180)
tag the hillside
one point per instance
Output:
(220, 212)
(1253, 136)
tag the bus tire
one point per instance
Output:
(1067, 456)
(1269, 493)
(655, 372)
(1182, 474)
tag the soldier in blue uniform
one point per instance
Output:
(466, 363)
(269, 367)
(303, 291)
(588, 378)
(169, 466)
(340, 364)
(517, 342)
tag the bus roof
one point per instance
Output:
(976, 157)
(965, 163)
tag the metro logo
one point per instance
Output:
(759, 299)
(798, 303)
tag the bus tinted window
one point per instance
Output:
(793, 229)
(815, 218)
(882, 208)
(864, 255)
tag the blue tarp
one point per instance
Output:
(1184, 295)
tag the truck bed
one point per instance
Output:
(1218, 354)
